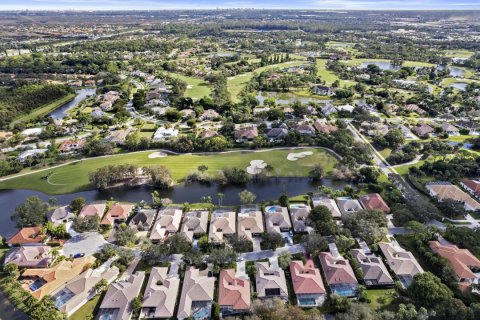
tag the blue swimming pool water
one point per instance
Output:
(272, 210)
(36, 285)
(203, 313)
(63, 298)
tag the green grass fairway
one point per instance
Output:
(45, 109)
(74, 177)
(196, 88)
(237, 83)
(328, 76)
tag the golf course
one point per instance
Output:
(74, 177)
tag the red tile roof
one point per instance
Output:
(461, 260)
(27, 235)
(306, 278)
(374, 201)
(117, 211)
(474, 185)
(337, 270)
(233, 291)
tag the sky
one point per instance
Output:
(211, 4)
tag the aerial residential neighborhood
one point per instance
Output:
(239, 160)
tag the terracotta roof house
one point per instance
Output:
(28, 236)
(233, 293)
(401, 262)
(464, 264)
(30, 257)
(42, 282)
(143, 220)
(348, 205)
(330, 204)
(161, 294)
(208, 134)
(270, 281)
(277, 219)
(78, 291)
(117, 213)
(116, 305)
(299, 213)
(375, 273)
(194, 223)
(307, 284)
(223, 223)
(422, 130)
(304, 128)
(209, 114)
(325, 127)
(246, 134)
(374, 201)
(197, 294)
(72, 145)
(414, 108)
(446, 190)
(472, 186)
(168, 222)
(250, 223)
(338, 273)
(60, 215)
(117, 136)
(93, 210)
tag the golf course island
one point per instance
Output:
(74, 176)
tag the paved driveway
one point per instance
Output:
(256, 244)
(88, 243)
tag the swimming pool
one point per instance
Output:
(36, 285)
(62, 297)
(202, 313)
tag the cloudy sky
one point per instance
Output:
(207, 4)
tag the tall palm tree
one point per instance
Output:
(220, 196)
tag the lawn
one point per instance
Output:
(404, 170)
(328, 76)
(196, 88)
(458, 53)
(87, 309)
(45, 109)
(238, 82)
(380, 298)
(74, 177)
(449, 81)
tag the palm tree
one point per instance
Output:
(220, 196)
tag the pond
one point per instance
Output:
(269, 189)
(62, 111)
(459, 85)
(384, 65)
(454, 71)
(286, 98)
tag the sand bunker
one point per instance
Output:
(256, 166)
(296, 156)
(189, 86)
(157, 155)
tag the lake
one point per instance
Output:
(267, 190)
(386, 65)
(62, 111)
(459, 85)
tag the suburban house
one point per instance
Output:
(414, 108)
(338, 272)
(160, 295)
(446, 190)
(93, 210)
(465, 265)
(423, 130)
(117, 213)
(472, 186)
(400, 261)
(60, 215)
(250, 223)
(207, 133)
(81, 289)
(233, 293)
(30, 256)
(348, 205)
(299, 213)
(28, 236)
(307, 284)
(473, 126)
(45, 281)
(116, 305)
(143, 220)
(69, 145)
(223, 223)
(97, 113)
(325, 127)
(194, 223)
(168, 222)
(197, 294)
(276, 134)
(329, 203)
(277, 219)
(270, 281)
(375, 273)
(450, 129)
(328, 109)
(165, 134)
(118, 136)
(304, 128)
(245, 134)
(374, 201)
(32, 153)
(209, 114)
(322, 90)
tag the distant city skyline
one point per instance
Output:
(212, 4)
